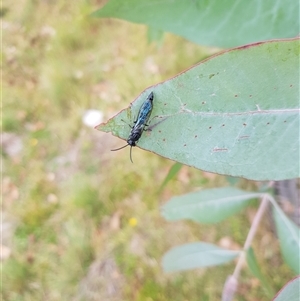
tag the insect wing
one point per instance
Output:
(139, 125)
(145, 111)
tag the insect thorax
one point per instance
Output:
(134, 137)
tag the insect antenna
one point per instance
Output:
(116, 149)
(130, 154)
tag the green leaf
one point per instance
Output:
(226, 23)
(236, 113)
(290, 292)
(289, 238)
(256, 270)
(155, 35)
(196, 255)
(171, 174)
(208, 206)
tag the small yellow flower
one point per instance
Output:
(133, 222)
(34, 142)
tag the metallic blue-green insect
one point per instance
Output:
(140, 123)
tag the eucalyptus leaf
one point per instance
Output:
(171, 174)
(225, 23)
(257, 272)
(289, 238)
(236, 113)
(196, 255)
(208, 206)
(290, 292)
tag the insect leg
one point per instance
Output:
(127, 123)
(154, 125)
(150, 122)
(152, 119)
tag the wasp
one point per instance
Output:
(139, 124)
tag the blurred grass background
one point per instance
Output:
(80, 222)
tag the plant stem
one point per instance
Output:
(261, 210)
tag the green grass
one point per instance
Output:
(71, 199)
